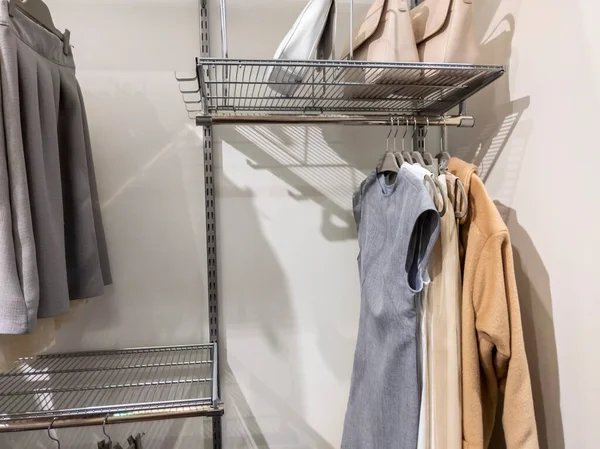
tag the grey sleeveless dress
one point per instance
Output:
(397, 229)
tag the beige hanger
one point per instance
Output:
(464, 200)
(436, 186)
(388, 163)
(444, 156)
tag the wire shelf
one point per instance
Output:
(84, 388)
(242, 87)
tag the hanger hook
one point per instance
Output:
(104, 429)
(412, 137)
(387, 142)
(404, 135)
(396, 133)
(425, 135)
(443, 136)
(50, 434)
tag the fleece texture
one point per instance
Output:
(494, 363)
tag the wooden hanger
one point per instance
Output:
(38, 11)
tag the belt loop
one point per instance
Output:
(67, 42)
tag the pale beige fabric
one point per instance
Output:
(440, 419)
(13, 347)
(444, 31)
(443, 336)
(386, 34)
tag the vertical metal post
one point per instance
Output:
(351, 54)
(210, 214)
(420, 139)
(224, 49)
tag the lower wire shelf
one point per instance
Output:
(92, 388)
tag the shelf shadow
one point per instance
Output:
(314, 167)
(310, 438)
(258, 326)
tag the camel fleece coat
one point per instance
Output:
(493, 353)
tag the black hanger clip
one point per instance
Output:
(135, 443)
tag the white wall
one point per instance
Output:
(287, 242)
(537, 152)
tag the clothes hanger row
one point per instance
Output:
(38, 11)
(391, 161)
(133, 442)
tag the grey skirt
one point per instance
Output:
(52, 243)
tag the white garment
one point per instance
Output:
(440, 423)
(416, 169)
(423, 308)
(311, 37)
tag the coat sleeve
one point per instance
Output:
(501, 346)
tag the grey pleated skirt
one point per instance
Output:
(52, 243)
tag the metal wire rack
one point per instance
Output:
(237, 87)
(85, 388)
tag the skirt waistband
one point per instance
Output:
(35, 36)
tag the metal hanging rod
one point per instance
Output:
(461, 121)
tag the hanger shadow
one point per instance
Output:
(309, 164)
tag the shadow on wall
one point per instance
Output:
(150, 180)
(496, 115)
(319, 165)
(535, 298)
(303, 158)
(257, 308)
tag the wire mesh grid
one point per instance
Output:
(110, 382)
(229, 86)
